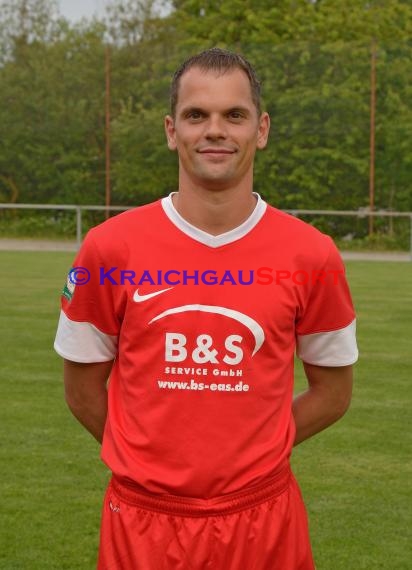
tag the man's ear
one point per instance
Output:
(170, 132)
(263, 132)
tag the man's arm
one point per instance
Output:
(86, 393)
(324, 402)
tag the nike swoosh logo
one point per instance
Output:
(140, 298)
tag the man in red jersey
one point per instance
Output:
(178, 351)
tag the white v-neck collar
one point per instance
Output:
(208, 239)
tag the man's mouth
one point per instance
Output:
(216, 151)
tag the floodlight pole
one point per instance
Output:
(107, 130)
(372, 137)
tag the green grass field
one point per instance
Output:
(356, 477)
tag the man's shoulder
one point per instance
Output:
(130, 219)
(127, 225)
(287, 224)
(295, 239)
(114, 237)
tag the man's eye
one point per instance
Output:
(235, 115)
(194, 115)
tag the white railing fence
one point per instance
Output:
(79, 210)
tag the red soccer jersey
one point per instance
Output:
(203, 330)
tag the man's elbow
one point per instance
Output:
(85, 385)
(76, 401)
(340, 405)
(78, 395)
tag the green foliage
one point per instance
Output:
(375, 242)
(314, 59)
(138, 137)
(318, 152)
(51, 119)
(352, 232)
(45, 224)
(38, 224)
(26, 22)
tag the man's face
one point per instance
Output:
(216, 130)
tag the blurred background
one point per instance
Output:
(84, 89)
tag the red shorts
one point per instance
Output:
(264, 528)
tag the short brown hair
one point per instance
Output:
(221, 61)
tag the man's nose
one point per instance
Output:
(216, 127)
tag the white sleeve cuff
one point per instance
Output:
(83, 342)
(332, 348)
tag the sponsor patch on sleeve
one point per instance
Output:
(68, 289)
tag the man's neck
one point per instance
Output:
(214, 212)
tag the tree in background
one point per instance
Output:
(51, 107)
(25, 22)
(314, 61)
